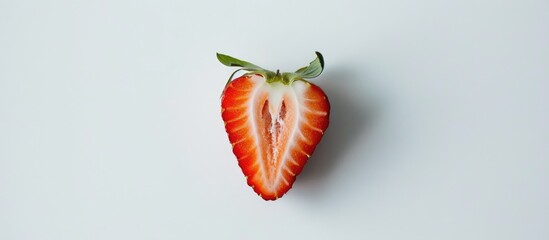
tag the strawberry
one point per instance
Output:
(274, 121)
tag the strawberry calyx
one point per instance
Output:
(314, 69)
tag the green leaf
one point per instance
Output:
(313, 70)
(233, 62)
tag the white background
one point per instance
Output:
(110, 123)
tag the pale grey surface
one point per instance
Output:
(110, 122)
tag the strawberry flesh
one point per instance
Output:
(274, 128)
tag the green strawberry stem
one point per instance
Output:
(313, 70)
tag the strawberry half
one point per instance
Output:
(274, 121)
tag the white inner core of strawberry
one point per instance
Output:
(276, 113)
(276, 123)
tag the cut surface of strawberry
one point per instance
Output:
(274, 122)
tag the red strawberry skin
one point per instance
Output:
(274, 128)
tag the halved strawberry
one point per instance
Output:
(274, 122)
